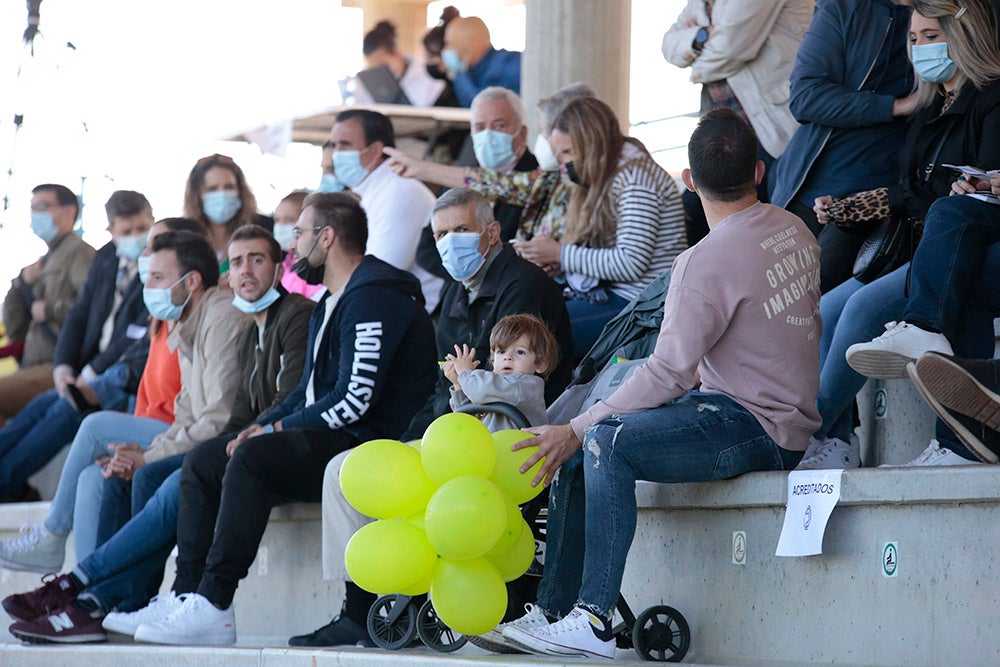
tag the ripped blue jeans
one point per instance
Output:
(699, 437)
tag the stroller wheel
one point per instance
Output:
(434, 633)
(392, 622)
(661, 634)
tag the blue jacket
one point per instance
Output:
(376, 363)
(497, 68)
(851, 66)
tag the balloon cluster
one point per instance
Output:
(448, 518)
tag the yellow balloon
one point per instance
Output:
(513, 563)
(465, 517)
(389, 556)
(385, 480)
(456, 445)
(469, 596)
(421, 587)
(506, 471)
(512, 531)
(415, 444)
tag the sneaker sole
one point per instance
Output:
(46, 639)
(152, 637)
(120, 628)
(953, 388)
(878, 364)
(493, 646)
(24, 567)
(540, 647)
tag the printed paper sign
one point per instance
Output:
(812, 495)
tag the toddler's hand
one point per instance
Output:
(448, 368)
(464, 359)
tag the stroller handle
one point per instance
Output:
(503, 409)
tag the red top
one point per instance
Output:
(161, 380)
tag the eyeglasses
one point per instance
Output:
(297, 232)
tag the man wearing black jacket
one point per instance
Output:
(370, 366)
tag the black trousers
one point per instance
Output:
(225, 503)
(837, 249)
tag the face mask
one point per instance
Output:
(347, 165)
(452, 62)
(261, 304)
(329, 183)
(932, 63)
(43, 225)
(313, 275)
(571, 174)
(543, 153)
(221, 205)
(159, 304)
(143, 264)
(130, 247)
(493, 149)
(283, 234)
(460, 254)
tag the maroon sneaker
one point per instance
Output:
(55, 593)
(67, 625)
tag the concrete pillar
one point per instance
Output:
(577, 40)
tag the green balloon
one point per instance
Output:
(415, 444)
(469, 596)
(506, 471)
(512, 531)
(465, 517)
(513, 563)
(456, 445)
(384, 479)
(389, 556)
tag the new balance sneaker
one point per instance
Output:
(195, 622)
(830, 454)
(886, 357)
(581, 633)
(54, 593)
(935, 455)
(158, 609)
(495, 641)
(36, 550)
(67, 625)
(341, 631)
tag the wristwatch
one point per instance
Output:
(699, 39)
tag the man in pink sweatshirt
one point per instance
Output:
(742, 312)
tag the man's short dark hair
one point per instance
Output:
(342, 212)
(252, 232)
(125, 204)
(375, 126)
(193, 254)
(185, 225)
(722, 155)
(64, 195)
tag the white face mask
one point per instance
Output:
(543, 153)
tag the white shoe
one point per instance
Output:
(575, 635)
(158, 608)
(36, 550)
(936, 455)
(195, 622)
(495, 641)
(886, 357)
(830, 454)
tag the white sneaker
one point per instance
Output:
(886, 357)
(158, 608)
(195, 622)
(936, 455)
(830, 454)
(37, 550)
(575, 635)
(496, 642)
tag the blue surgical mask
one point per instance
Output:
(44, 226)
(932, 63)
(261, 304)
(493, 149)
(452, 62)
(221, 206)
(130, 247)
(284, 234)
(143, 264)
(347, 166)
(159, 304)
(460, 254)
(329, 183)
(543, 153)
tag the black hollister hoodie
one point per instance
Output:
(376, 364)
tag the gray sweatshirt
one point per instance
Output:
(524, 392)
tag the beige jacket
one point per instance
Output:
(210, 374)
(63, 274)
(752, 46)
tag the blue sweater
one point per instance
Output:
(497, 68)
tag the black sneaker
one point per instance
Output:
(67, 625)
(341, 631)
(55, 593)
(962, 393)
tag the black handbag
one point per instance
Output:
(884, 250)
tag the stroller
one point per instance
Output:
(660, 633)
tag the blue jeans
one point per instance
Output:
(124, 572)
(76, 504)
(34, 435)
(699, 437)
(588, 319)
(121, 500)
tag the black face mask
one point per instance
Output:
(437, 71)
(313, 275)
(571, 173)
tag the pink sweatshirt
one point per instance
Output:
(743, 311)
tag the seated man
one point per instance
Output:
(42, 294)
(204, 328)
(749, 328)
(370, 366)
(493, 283)
(475, 65)
(107, 317)
(118, 573)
